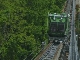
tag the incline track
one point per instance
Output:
(43, 51)
(49, 53)
(52, 52)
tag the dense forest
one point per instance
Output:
(23, 26)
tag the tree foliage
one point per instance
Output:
(23, 26)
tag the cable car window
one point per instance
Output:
(61, 27)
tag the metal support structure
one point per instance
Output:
(73, 49)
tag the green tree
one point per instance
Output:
(23, 26)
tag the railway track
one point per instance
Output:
(51, 53)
